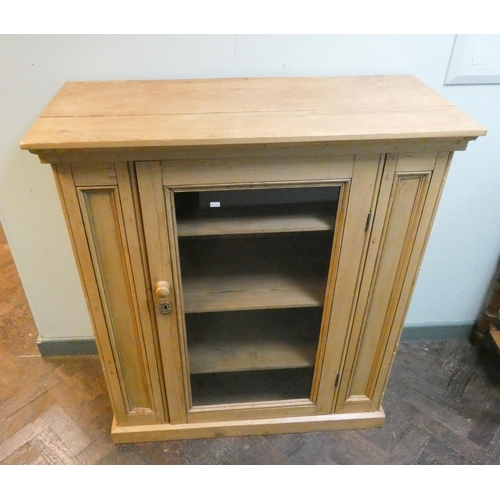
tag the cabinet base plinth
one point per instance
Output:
(165, 432)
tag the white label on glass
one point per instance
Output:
(214, 204)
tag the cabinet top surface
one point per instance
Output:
(118, 114)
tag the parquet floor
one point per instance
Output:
(442, 405)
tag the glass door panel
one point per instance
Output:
(254, 267)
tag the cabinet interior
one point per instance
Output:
(254, 265)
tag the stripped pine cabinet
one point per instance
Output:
(248, 247)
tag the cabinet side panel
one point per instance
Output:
(429, 210)
(408, 193)
(102, 219)
(403, 231)
(65, 183)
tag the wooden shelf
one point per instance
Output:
(247, 341)
(262, 272)
(242, 355)
(255, 220)
(247, 292)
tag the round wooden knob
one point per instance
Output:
(162, 289)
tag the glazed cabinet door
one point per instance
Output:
(254, 269)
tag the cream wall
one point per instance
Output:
(465, 243)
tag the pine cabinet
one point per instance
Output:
(248, 247)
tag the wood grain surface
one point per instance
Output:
(245, 111)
